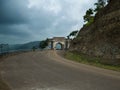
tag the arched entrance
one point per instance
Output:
(59, 43)
(59, 46)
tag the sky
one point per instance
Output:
(22, 21)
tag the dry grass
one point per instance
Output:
(90, 61)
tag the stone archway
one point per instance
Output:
(64, 43)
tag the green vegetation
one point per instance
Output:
(89, 18)
(90, 61)
(43, 44)
(99, 5)
(73, 34)
(90, 13)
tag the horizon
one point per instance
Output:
(37, 20)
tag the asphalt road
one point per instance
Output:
(45, 70)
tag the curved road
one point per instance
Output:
(45, 70)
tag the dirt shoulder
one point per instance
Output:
(3, 85)
(86, 67)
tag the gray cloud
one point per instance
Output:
(13, 11)
(27, 20)
(13, 30)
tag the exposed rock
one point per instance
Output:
(102, 38)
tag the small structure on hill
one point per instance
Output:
(60, 43)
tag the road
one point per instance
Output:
(46, 70)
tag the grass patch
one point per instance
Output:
(95, 61)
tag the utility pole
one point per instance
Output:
(7, 48)
(1, 48)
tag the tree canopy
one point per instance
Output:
(90, 13)
(100, 4)
(73, 33)
(88, 17)
(43, 44)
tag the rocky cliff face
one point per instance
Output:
(102, 38)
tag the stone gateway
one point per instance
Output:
(59, 43)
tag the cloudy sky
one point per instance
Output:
(22, 21)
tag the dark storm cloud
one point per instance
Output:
(13, 30)
(13, 11)
(13, 20)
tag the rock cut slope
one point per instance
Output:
(102, 38)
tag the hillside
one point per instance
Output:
(26, 46)
(102, 38)
(20, 47)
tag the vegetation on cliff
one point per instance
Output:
(72, 34)
(90, 13)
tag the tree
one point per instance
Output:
(88, 17)
(108, 1)
(43, 44)
(73, 33)
(33, 48)
(90, 13)
(100, 4)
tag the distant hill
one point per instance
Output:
(26, 46)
